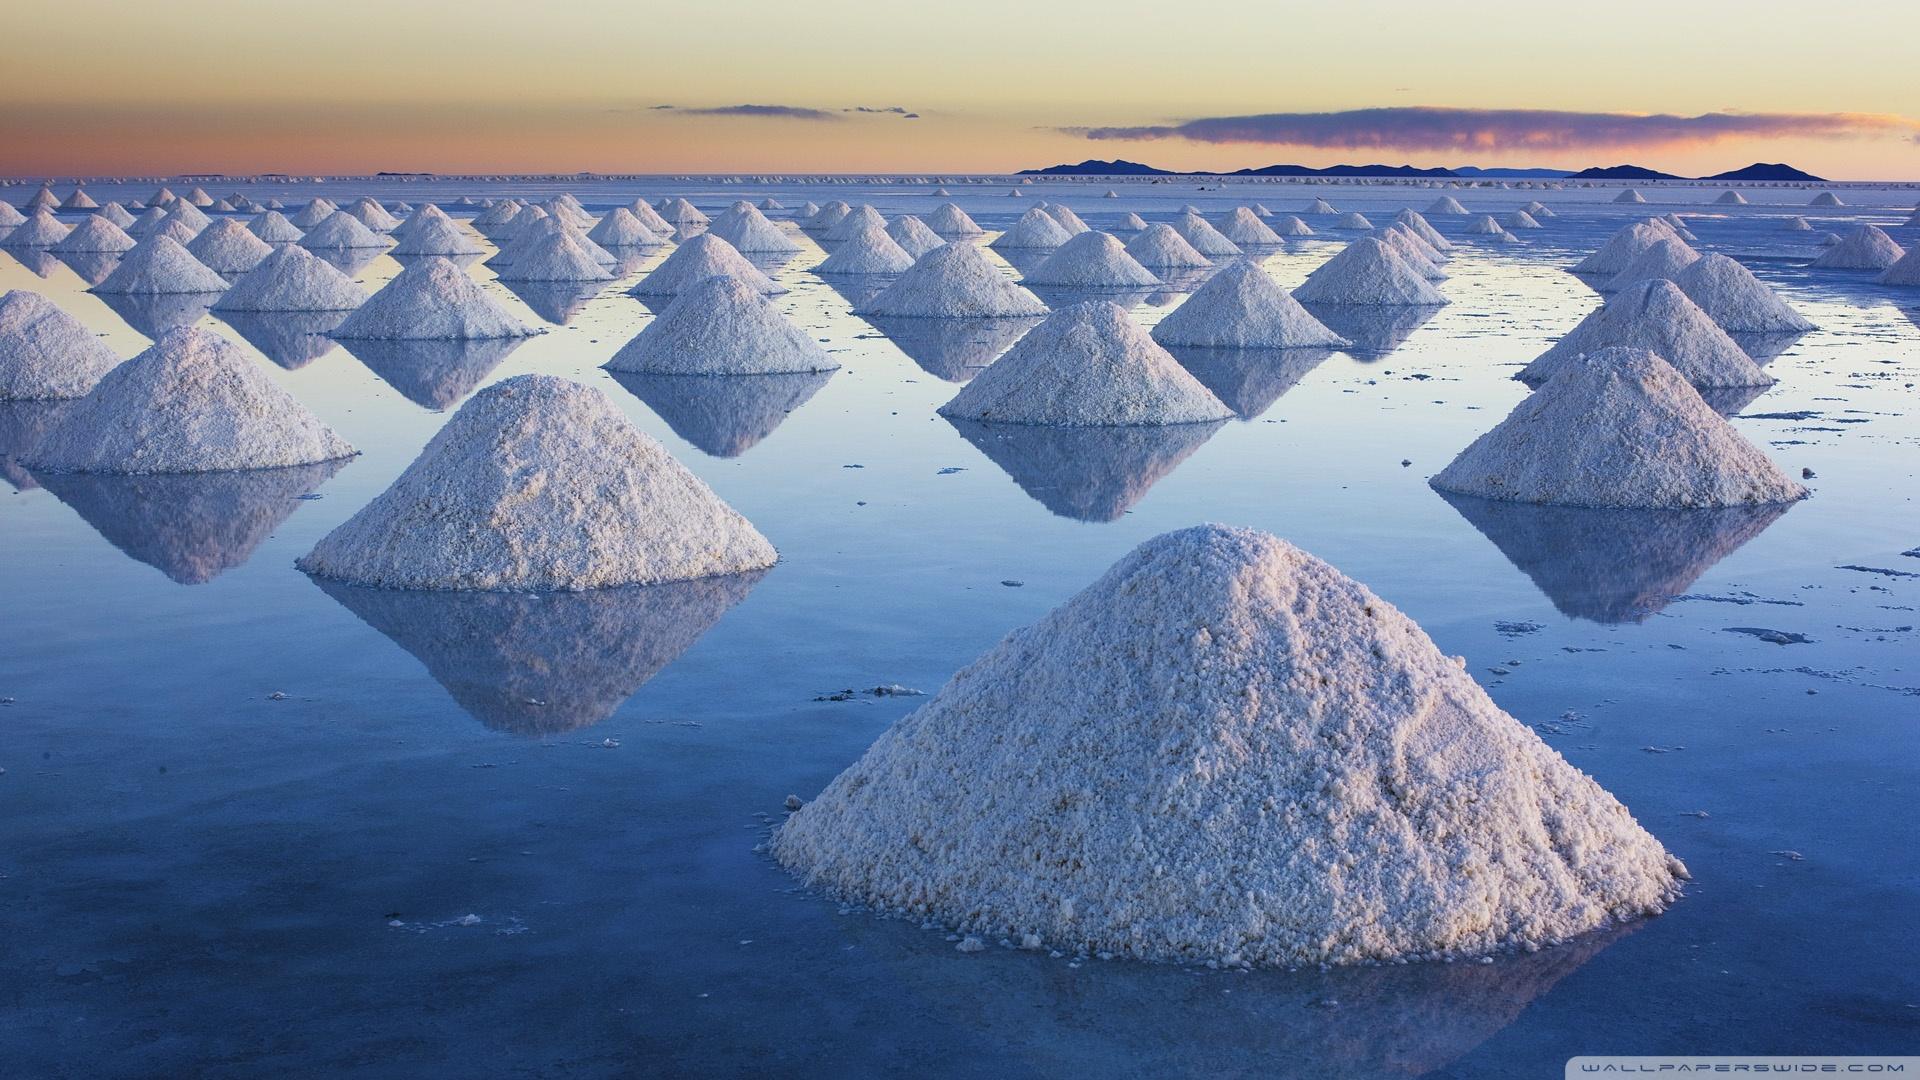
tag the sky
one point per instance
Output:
(852, 86)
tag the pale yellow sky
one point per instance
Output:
(213, 85)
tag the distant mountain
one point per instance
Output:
(1761, 170)
(1622, 172)
(1474, 172)
(1096, 167)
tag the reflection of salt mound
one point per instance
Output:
(153, 314)
(1086, 473)
(291, 339)
(747, 229)
(1374, 331)
(1665, 259)
(159, 264)
(721, 327)
(191, 527)
(228, 249)
(556, 302)
(193, 402)
(724, 415)
(1203, 237)
(953, 349)
(95, 234)
(1864, 248)
(949, 220)
(91, 267)
(954, 281)
(22, 425)
(1035, 229)
(913, 236)
(539, 664)
(1160, 247)
(342, 231)
(868, 250)
(1736, 300)
(45, 352)
(275, 228)
(1368, 272)
(1248, 380)
(291, 278)
(1613, 566)
(434, 374)
(1067, 808)
(698, 259)
(621, 229)
(540, 483)
(1617, 428)
(1243, 307)
(1623, 246)
(1655, 316)
(1092, 260)
(432, 299)
(1086, 365)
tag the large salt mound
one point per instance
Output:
(555, 256)
(372, 215)
(293, 279)
(95, 234)
(1408, 245)
(1904, 272)
(698, 259)
(1623, 246)
(828, 216)
(1203, 237)
(869, 250)
(855, 222)
(747, 229)
(145, 225)
(913, 235)
(1131, 222)
(1865, 248)
(8, 215)
(1092, 260)
(79, 200)
(1447, 205)
(435, 234)
(228, 249)
(721, 327)
(1226, 750)
(1160, 247)
(1035, 229)
(540, 483)
(431, 300)
(274, 228)
(949, 220)
(1242, 307)
(1425, 231)
(159, 264)
(1665, 259)
(1068, 220)
(1368, 272)
(953, 281)
(341, 231)
(651, 218)
(193, 402)
(45, 352)
(683, 213)
(174, 229)
(1736, 300)
(1242, 226)
(1655, 316)
(1618, 427)
(40, 230)
(1086, 366)
(189, 215)
(620, 228)
(535, 243)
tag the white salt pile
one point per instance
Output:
(10, 217)
(540, 483)
(869, 250)
(1242, 307)
(95, 234)
(44, 199)
(828, 216)
(274, 228)
(372, 215)
(189, 215)
(1035, 229)
(1617, 427)
(1658, 317)
(1225, 751)
(434, 234)
(144, 225)
(1093, 260)
(159, 264)
(620, 229)
(1735, 300)
(1623, 246)
(1203, 237)
(79, 200)
(1518, 219)
(1730, 198)
(683, 213)
(949, 220)
(1904, 272)
(45, 352)
(418, 219)
(1826, 198)
(1354, 220)
(1242, 226)
(228, 249)
(1410, 247)
(1425, 231)
(698, 259)
(954, 281)
(1322, 207)
(913, 235)
(293, 279)
(1131, 222)
(113, 212)
(1368, 272)
(496, 216)
(771, 203)
(199, 197)
(1795, 224)
(721, 327)
(193, 402)
(1665, 259)
(1087, 366)
(1159, 247)
(1447, 205)
(174, 229)
(1290, 226)
(1630, 196)
(342, 231)
(1865, 248)
(1678, 225)
(40, 230)
(534, 241)
(568, 209)
(1485, 225)
(651, 218)
(1068, 220)
(554, 256)
(855, 222)
(747, 229)
(432, 300)
(807, 210)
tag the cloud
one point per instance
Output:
(786, 112)
(891, 110)
(1439, 128)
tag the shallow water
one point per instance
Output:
(200, 877)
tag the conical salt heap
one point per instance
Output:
(1224, 750)
(554, 256)
(1447, 205)
(159, 264)
(1368, 272)
(1655, 316)
(913, 235)
(1035, 229)
(683, 213)
(771, 203)
(435, 234)
(621, 229)
(228, 249)
(828, 216)
(1092, 260)
(856, 221)
(10, 217)
(1204, 238)
(1086, 366)
(1865, 248)
(372, 215)
(1826, 198)
(721, 327)
(1161, 247)
(1322, 207)
(45, 352)
(1735, 300)
(1243, 227)
(1623, 246)
(1617, 427)
(1904, 272)
(492, 222)
(1406, 244)
(698, 259)
(113, 212)
(189, 215)
(174, 229)
(949, 220)
(867, 251)
(274, 228)
(534, 242)
(747, 229)
(1630, 196)
(1131, 222)
(198, 197)
(1354, 220)
(40, 230)
(95, 234)
(44, 199)
(293, 279)
(341, 231)
(1518, 219)
(1068, 220)
(193, 402)
(1730, 198)
(954, 281)
(1485, 225)
(1425, 231)
(1289, 226)
(418, 219)
(651, 218)
(1665, 259)
(1242, 307)
(540, 483)
(1795, 224)
(432, 300)
(145, 225)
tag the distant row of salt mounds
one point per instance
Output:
(1064, 813)
(46, 353)
(721, 327)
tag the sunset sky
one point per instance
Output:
(95, 87)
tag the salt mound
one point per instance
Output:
(1368, 272)
(1518, 219)
(698, 259)
(1410, 247)
(1795, 224)
(1630, 196)
(1086, 366)
(493, 220)
(1162, 248)
(193, 402)
(160, 265)
(1426, 232)
(1618, 427)
(1826, 198)
(540, 483)
(45, 352)
(1657, 317)
(953, 281)
(435, 234)
(79, 200)
(650, 218)
(293, 279)
(1242, 307)
(144, 225)
(418, 219)
(771, 203)
(431, 300)
(1226, 750)
(747, 229)
(1131, 222)
(41, 229)
(1623, 247)
(1289, 226)
(1865, 248)
(683, 213)
(807, 210)
(534, 242)
(1448, 205)
(621, 229)
(341, 231)
(228, 249)
(1904, 272)
(372, 215)
(555, 256)
(1035, 229)
(95, 234)
(1092, 260)
(1730, 198)
(1321, 206)
(721, 327)
(913, 235)
(1068, 220)
(1736, 300)
(8, 215)
(274, 228)
(199, 197)
(1354, 220)
(113, 212)
(869, 250)
(1485, 225)
(828, 216)
(1243, 226)
(1665, 259)
(949, 220)
(189, 215)
(174, 229)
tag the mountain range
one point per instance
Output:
(1119, 167)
